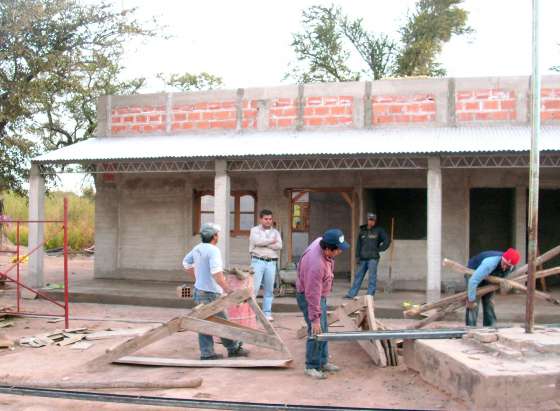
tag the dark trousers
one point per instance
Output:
(316, 352)
(488, 314)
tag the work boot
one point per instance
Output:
(315, 373)
(330, 367)
(240, 352)
(212, 357)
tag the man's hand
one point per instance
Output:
(505, 287)
(316, 328)
(471, 305)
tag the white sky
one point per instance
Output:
(247, 42)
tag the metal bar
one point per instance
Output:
(66, 321)
(30, 314)
(392, 335)
(533, 222)
(18, 290)
(40, 294)
(171, 401)
(35, 221)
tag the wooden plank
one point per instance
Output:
(266, 324)
(225, 363)
(372, 325)
(223, 329)
(349, 308)
(206, 310)
(367, 346)
(132, 332)
(134, 344)
(110, 383)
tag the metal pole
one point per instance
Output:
(18, 291)
(66, 313)
(533, 223)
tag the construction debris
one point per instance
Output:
(127, 332)
(81, 345)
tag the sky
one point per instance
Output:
(247, 42)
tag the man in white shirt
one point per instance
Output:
(205, 262)
(264, 245)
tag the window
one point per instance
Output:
(300, 212)
(242, 205)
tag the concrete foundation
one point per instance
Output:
(502, 369)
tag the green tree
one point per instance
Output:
(329, 40)
(56, 58)
(192, 82)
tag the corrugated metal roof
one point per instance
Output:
(418, 140)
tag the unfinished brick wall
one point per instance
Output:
(550, 104)
(202, 116)
(137, 119)
(282, 113)
(418, 108)
(485, 105)
(317, 111)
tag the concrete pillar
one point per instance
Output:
(35, 275)
(520, 223)
(221, 207)
(433, 285)
(107, 204)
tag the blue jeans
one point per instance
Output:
(365, 265)
(316, 352)
(206, 342)
(265, 272)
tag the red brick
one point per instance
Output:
(121, 110)
(154, 117)
(175, 126)
(507, 104)
(482, 116)
(186, 125)
(472, 106)
(490, 105)
(345, 120)
(134, 110)
(128, 119)
(419, 118)
(503, 94)
(249, 113)
(547, 92)
(346, 100)
(228, 104)
(402, 118)
(313, 121)
(341, 110)
(322, 111)
(428, 107)
(459, 106)
(117, 129)
(202, 124)
(482, 94)
(116, 120)
(330, 101)
(146, 109)
(136, 128)
(194, 116)
(214, 106)
(272, 123)
(140, 119)
(223, 124)
(285, 122)
(179, 117)
(201, 106)
(396, 108)
(314, 101)
(551, 104)
(207, 115)
(158, 127)
(465, 116)
(464, 95)
(383, 119)
(330, 121)
(412, 108)
(383, 99)
(308, 111)
(224, 115)
(500, 115)
(289, 112)
(380, 108)
(283, 102)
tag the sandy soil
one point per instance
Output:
(359, 384)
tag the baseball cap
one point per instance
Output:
(371, 216)
(209, 229)
(335, 236)
(512, 256)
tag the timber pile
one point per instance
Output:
(202, 319)
(359, 315)
(517, 281)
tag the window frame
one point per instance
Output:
(235, 231)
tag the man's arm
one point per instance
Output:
(313, 289)
(277, 244)
(188, 265)
(384, 240)
(221, 280)
(484, 269)
(258, 240)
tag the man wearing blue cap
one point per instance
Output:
(205, 262)
(314, 283)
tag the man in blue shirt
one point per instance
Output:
(497, 263)
(205, 263)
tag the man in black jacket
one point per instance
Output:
(371, 241)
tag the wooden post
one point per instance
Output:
(290, 219)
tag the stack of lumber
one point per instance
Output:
(516, 281)
(359, 315)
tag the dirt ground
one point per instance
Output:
(359, 384)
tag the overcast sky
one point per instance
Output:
(247, 42)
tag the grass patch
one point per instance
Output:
(81, 214)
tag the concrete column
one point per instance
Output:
(107, 205)
(35, 275)
(433, 285)
(520, 222)
(221, 207)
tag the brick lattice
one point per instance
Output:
(550, 104)
(485, 105)
(389, 109)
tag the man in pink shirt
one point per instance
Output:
(314, 284)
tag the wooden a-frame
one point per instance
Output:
(202, 319)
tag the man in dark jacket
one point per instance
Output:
(371, 241)
(497, 263)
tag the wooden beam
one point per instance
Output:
(225, 363)
(222, 328)
(349, 308)
(134, 344)
(353, 227)
(219, 305)
(261, 318)
(346, 197)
